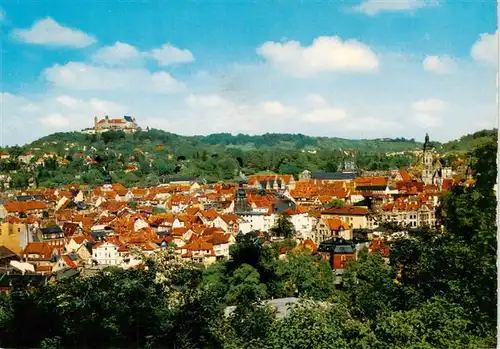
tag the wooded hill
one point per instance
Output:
(149, 157)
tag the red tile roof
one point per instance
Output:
(69, 262)
(24, 206)
(347, 210)
(42, 249)
(371, 181)
(336, 224)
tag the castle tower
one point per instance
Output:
(428, 161)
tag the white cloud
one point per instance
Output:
(373, 7)
(39, 117)
(207, 101)
(325, 115)
(55, 121)
(102, 107)
(81, 76)
(429, 112)
(117, 54)
(485, 49)
(325, 54)
(322, 111)
(249, 99)
(276, 108)
(168, 54)
(430, 106)
(69, 105)
(439, 64)
(50, 33)
(428, 120)
(316, 100)
(68, 101)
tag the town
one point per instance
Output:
(61, 232)
(249, 174)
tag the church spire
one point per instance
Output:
(426, 143)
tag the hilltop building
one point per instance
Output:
(127, 124)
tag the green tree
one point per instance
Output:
(304, 276)
(336, 203)
(245, 286)
(283, 227)
(369, 285)
(313, 325)
(19, 180)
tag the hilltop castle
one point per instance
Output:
(126, 124)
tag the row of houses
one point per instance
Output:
(82, 227)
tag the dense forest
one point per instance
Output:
(438, 290)
(154, 156)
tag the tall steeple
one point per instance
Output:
(241, 203)
(426, 143)
(428, 162)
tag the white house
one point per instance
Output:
(26, 158)
(304, 224)
(139, 224)
(106, 252)
(219, 223)
(177, 223)
(221, 243)
(256, 221)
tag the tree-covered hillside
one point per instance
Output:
(469, 141)
(300, 141)
(152, 156)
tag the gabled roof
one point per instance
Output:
(209, 214)
(109, 240)
(69, 262)
(336, 224)
(70, 228)
(366, 182)
(41, 248)
(337, 246)
(212, 230)
(23, 206)
(80, 239)
(217, 238)
(347, 210)
(199, 245)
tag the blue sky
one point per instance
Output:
(357, 69)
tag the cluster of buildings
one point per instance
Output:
(127, 124)
(80, 229)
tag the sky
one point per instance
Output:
(353, 69)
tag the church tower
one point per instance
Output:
(241, 203)
(428, 161)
